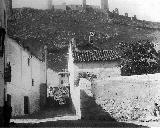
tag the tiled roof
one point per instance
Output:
(95, 56)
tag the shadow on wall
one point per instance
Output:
(91, 110)
(93, 116)
(43, 95)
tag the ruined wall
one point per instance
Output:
(37, 4)
(128, 98)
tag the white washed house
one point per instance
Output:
(27, 74)
(95, 61)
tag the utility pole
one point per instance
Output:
(45, 50)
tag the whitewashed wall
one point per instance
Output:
(22, 75)
(108, 69)
(74, 89)
(15, 87)
(52, 78)
(34, 93)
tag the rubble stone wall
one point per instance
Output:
(129, 98)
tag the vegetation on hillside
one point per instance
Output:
(139, 58)
(55, 28)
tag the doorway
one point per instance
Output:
(26, 105)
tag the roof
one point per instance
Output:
(95, 56)
(63, 73)
(24, 48)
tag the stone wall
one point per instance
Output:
(129, 98)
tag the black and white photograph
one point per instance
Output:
(80, 63)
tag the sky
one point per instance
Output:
(144, 9)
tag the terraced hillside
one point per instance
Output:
(35, 28)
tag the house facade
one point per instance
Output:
(95, 61)
(3, 28)
(27, 76)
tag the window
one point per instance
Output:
(61, 81)
(32, 82)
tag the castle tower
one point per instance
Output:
(104, 5)
(9, 7)
(84, 4)
(49, 4)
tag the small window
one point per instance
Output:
(28, 61)
(32, 82)
(61, 81)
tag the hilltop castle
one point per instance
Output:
(103, 5)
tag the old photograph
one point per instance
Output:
(80, 63)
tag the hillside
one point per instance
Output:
(35, 28)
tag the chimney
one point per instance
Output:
(74, 45)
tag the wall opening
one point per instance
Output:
(9, 99)
(26, 105)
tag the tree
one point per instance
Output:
(139, 58)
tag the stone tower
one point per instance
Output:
(104, 5)
(49, 4)
(84, 4)
(9, 7)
